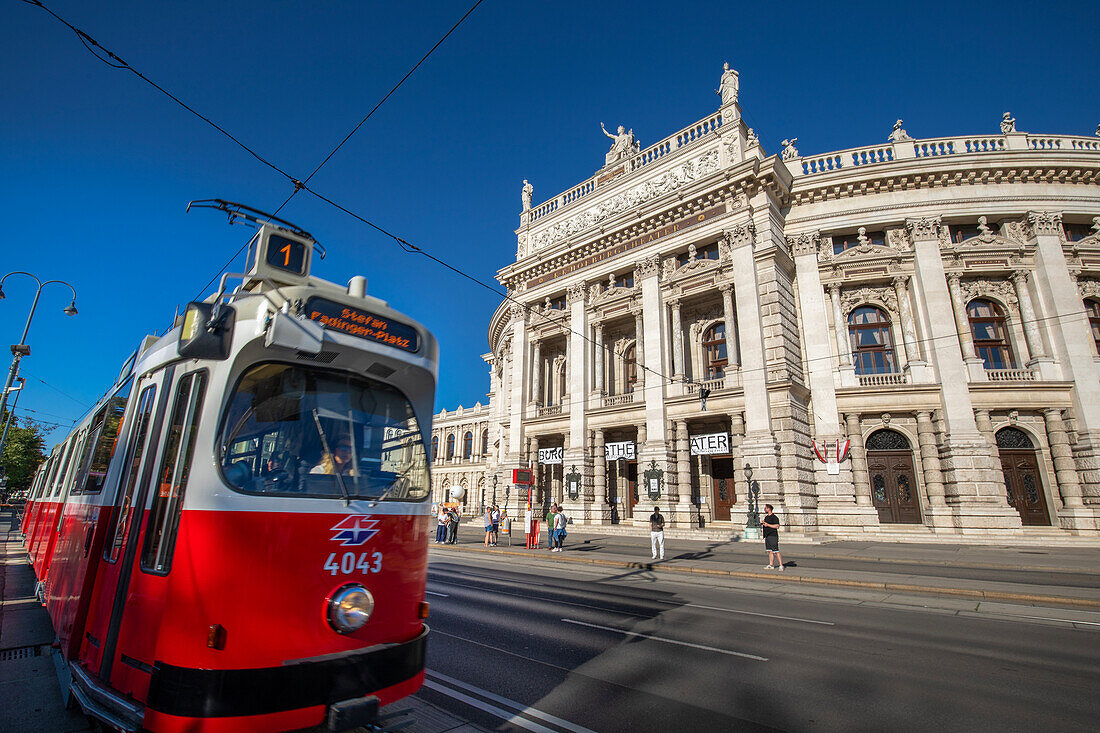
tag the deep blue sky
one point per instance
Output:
(96, 167)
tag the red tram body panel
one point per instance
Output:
(235, 538)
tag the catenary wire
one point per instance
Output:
(82, 403)
(408, 246)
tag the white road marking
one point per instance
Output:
(523, 710)
(667, 641)
(1064, 620)
(754, 613)
(18, 601)
(433, 593)
(473, 702)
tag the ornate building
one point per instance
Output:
(459, 457)
(700, 318)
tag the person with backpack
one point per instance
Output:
(452, 526)
(560, 522)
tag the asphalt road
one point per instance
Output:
(555, 648)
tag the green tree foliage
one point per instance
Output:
(23, 452)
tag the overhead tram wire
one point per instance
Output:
(299, 185)
(405, 244)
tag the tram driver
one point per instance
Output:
(339, 461)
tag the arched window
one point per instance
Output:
(714, 351)
(987, 325)
(435, 447)
(872, 347)
(630, 368)
(450, 446)
(887, 440)
(1092, 307)
(467, 445)
(485, 442)
(1014, 439)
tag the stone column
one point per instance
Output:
(684, 508)
(730, 321)
(576, 368)
(656, 335)
(1069, 483)
(677, 340)
(598, 368)
(861, 478)
(974, 366)
(1039, 361)
(985, 427)
(639, 349)
(540, 485)
(915, 366)
(843, 341)
(1071, 338)
(930, 465)
(600, 513)
(536, 373)
(972, 476)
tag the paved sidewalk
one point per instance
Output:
(1067, 577)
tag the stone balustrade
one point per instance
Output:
(1010, 375)
(883, 380)
(684, 138)
(731, 380)
(618, 399)
(548, 411)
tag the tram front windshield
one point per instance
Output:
(298, 431)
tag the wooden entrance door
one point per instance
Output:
(631, 488)
(1025, 489)
(723, 494)
(894, 486)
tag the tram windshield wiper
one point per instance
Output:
(328, 451)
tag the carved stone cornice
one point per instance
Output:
(924, 228)
(804, 244)
(647, 267)
(740, 235)
(1044, 223)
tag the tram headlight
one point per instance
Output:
(349, 608)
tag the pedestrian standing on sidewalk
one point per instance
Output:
(441, 525)
(550, 526)
(560, 521)
(657, 533)
(494, 519)
(488, 526)
(771, 538)
(452, 526)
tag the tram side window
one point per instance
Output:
(70, 448)
(164, 517)
(123, 517)
(101, 446)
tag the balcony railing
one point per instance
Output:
(882, 380)
(1010, 375)
(731, 380)
(548, 411)
(618, 399)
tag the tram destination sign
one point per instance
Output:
(713, 444)
(361, 323)
(665, 231)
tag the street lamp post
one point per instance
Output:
(21, 349)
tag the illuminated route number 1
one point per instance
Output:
(286, 254)
(350, 562)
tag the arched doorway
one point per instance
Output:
(893, 480)
(1020, 464)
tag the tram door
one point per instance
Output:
(104, 611)
(631, 488)
(723, 494)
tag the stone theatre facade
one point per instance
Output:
(699, 318)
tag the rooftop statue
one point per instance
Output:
(899, 134)
(752, 138)
(1008, 123)
(790, 152)
(528, 189)
(623, 147)
(728, 85)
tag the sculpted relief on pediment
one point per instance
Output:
(634, 196)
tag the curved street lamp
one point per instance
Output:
(21, 349)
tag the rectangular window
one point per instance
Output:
(164, 516)
(101, 443)
(124, 513)
(69, 449)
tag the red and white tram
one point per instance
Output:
(235, 538)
